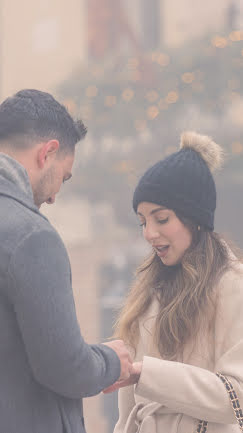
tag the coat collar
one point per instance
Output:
(15, 183)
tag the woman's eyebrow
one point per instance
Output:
(157, 209)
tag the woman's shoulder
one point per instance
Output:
(229, 301)
(231, 281)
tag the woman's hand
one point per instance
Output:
(134, 377)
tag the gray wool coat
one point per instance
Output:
(46, 367)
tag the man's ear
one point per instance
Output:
(47, 152)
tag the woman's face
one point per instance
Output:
(169, 237)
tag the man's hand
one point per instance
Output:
(125, 359)
(134, 378)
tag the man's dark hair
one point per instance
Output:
(32, 115)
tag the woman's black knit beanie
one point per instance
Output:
(183, 181)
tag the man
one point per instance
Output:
(45, 365)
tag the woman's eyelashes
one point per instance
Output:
(163, 221)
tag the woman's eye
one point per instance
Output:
(142, 224)
(163, 221)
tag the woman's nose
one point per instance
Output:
(150, 232)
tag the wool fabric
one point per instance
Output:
(182, 182)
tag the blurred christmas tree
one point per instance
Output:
(136, 107)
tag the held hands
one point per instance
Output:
(125, 358)
(131, 380)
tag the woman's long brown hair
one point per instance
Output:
(184, 292)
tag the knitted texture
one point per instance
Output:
(181, 182)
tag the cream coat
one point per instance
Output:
(170, 396)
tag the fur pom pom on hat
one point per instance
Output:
(210, 151)
(183, 181)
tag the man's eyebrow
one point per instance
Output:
(157, 209)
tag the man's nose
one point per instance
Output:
(51, 199)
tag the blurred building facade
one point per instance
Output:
(41, 42)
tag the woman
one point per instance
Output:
(183, 317)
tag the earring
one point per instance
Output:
(199, 228)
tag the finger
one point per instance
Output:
(119, 384)
(111, 388)
(125, 374)
(130, 358)
(116, 384)
(132, 370)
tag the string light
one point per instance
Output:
(172, 97)
(128, 95)
(236, 36)
(163, 59)
(152, 112)
(188, 77)
(219, 42)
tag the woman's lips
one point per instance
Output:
(162, 250)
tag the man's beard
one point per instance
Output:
(42, 190)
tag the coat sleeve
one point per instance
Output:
(39, 287)
(195, 391)
(126, 403)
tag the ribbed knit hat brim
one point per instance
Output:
(152, 193)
